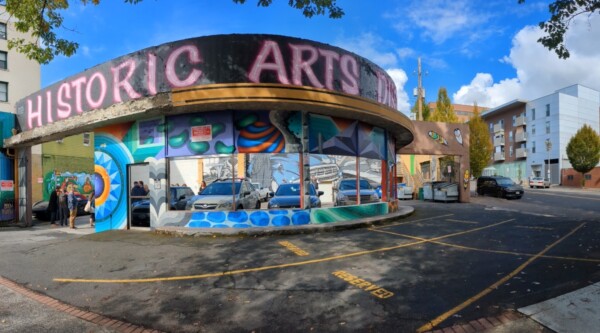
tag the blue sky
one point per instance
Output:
(480, 51)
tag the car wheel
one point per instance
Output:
(257, 206)
(480, 192)
(530, 186)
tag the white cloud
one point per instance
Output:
(369, 46)
(440, 20)
(400, 78)
(540, 72)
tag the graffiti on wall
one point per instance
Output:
(82, 182)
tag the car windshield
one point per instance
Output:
(351, 185)
(292, 189)
(184, 192)
(538, 179)
(505, 181)
(220, 188)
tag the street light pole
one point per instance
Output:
(548, 147)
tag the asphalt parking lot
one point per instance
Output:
(445, 265)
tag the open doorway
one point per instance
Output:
(138, 196)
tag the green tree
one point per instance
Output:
(425, 110)
(42, 19)
(583, 151)
(563, 12)
(444, 111)
(480, 148)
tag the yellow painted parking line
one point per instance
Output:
(409, 222)
(442, 237)
(298, 251)
(461, 221)
(264, 268)
(533, 227)
(433, 323)
(470, 248)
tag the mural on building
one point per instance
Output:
(82, 182)
(265, 139)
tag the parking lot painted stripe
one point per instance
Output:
(533, 227)
(442, 237)
(461, 221)
(367, 286)
(433, 323)
(409, 222)
(264, 268)
(470, 248)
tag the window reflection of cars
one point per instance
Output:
(180, 196)
(539, 182)
(220, 195)
(502, 187)
(345, 192)
(288, 196)
(140, 213)
(263, 192)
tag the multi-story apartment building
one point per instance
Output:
(19, 77)
(530, 137)
(508, 128)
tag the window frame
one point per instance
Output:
(6, 85)
(5, 67)
(3, 31)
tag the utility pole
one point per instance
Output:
(419, 92)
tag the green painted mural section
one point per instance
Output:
(70, 161)
(346, 213)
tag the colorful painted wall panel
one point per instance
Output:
(267, 131)
(345, 213)
(284, 217)
(371, 142)
(334, 136)
(207, 133)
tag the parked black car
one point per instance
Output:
(39, 209)
(180, 196)
(502, 187)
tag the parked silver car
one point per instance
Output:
(226, 195)
(539, 182)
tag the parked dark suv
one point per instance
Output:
(502, 187)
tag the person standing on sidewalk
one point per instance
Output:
(63, 208)
(92, 209)
(53, 206)
(72, 204)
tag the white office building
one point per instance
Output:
(551, 122)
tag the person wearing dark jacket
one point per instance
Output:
(52, 208)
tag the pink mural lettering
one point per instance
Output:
(102, 90)
(77, 84)
(349, 68)
(330, 57)
(124, 83)
(63, 109)
(34, 114)
(49, 107)
(152, 74)
(268, 49)
(300, 65)
(193, 58)
(386, 90)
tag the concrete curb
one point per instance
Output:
(403, 211)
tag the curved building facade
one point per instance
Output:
(257, 115)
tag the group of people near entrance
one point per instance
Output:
(63, 206)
